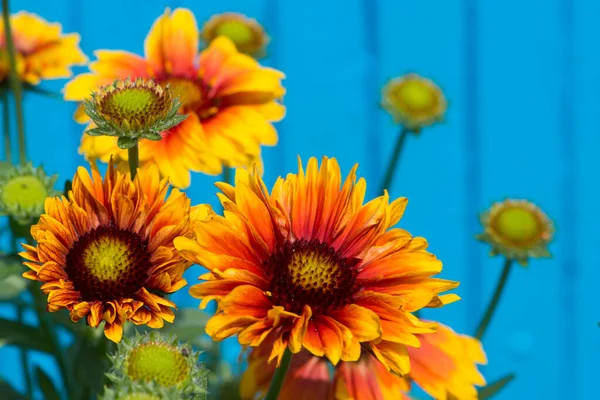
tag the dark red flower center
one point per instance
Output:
(311, 273)
(108, 263)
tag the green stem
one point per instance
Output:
(489, 313)
(15, 82)
(227, 175)
(6, 120)
(24, 356)
(389, 175)
(279, 376)
(134, 160)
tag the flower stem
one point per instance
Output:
(489, 313)
(389, 175)
(15, 82)
(227, 175)
(279, 376)
(24, 356)
(6, 120)
(134, 160)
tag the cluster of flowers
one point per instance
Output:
(306, 268)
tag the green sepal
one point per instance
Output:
(125, 142)
(152, 136)
(494, 388)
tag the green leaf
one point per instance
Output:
(12, 286)
(44, 92)
(125, 142)
(189, 325)
(22, 335)
(90, 353)
(492, 389)
(10, 393)
(11, 264)
(46, 385)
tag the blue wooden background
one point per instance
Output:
(522, 79)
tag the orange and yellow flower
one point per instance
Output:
(310, 378)
(42, 51)
(230, 100)
(312, 264)
(246, 33)
(106, 252)
(445, 366)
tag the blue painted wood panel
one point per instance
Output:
(522, 82)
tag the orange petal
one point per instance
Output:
(114, 331)
(172, 43)
(362, 322)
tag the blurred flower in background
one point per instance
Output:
(106, 252)
(517, 229)
(314, 266)
(246, 33)
(42, 51)
(23, 189)
(446, 364)
(230, 100)
(414, 101)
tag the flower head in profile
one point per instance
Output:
(517, 229)
(155, 365)
(132, 110)
(414, 101)
(311, 377)
(106, 252)
(445, 366)
(42, 51)
(246, 33)
(314, 266)
(23, 189)
(230, 99)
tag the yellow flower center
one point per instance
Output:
(517, 225)
(193, 96)
(107, 258)
(314, 271)
(139, 396)
(239, 32)
(132, 101)
(157, 362)
(24, 192)
(416, 95)
(108, 263)
(310, 273)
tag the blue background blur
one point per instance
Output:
(522, 78)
